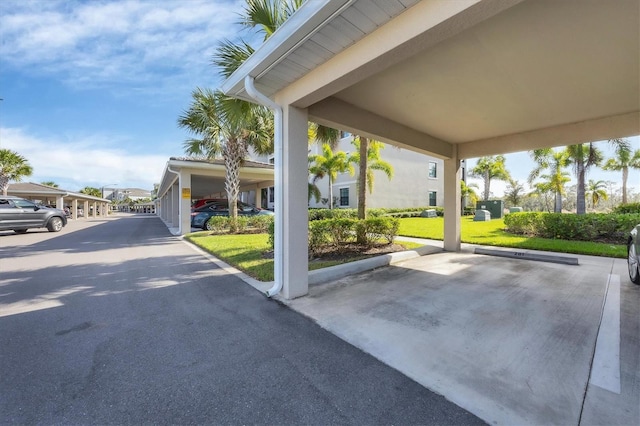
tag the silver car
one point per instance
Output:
(19, 215)
(633, 251)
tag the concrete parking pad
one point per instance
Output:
(512, 341)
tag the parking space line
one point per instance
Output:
(605, 371)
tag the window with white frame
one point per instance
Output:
(433, 197)
(344, 197)
(433, 169)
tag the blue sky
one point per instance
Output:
(92, 89)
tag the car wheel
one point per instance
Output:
(20, 231)
(632, 262)
(208, 225)
(55, 224)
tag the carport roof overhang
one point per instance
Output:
(478, 76)
(208, 176)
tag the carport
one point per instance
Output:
(453, 79)
(60, 198)
(185, 179)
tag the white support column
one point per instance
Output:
(184, 204)
(292, 216)
(74, 209)
(85, 209)
(452, 176)
(59, 203)
(258, 198)
(94, 211)
(175, 205)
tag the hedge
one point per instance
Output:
(258, 223)
(586, 227)
(628, 208)
(337, 233)
(320, 214)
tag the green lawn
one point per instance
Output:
(246, 252)
(491, 233)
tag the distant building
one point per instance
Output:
(417, 180)
(121, 194)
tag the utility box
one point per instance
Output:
(495, 207)
(429, 213)
(515, 209)
(482, 216)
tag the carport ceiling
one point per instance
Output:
(532, 66)
(490, 76)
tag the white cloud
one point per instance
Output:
(135, 42)
(74, 165)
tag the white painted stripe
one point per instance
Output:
(605, 372)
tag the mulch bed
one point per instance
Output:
(349, 251)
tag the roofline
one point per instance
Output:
(304, 23)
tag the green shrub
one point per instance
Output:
(340, 232)
(587, 227)
(629, 208)
(218, 224)
(260, 222)
(374, 229)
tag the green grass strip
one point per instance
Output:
(491, 233)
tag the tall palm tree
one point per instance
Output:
(596, 191)
(329, 164)
(226, 127)
(368, 159)
(556, 179)
(624, 160)
(490, 168)
(13, 167)
(583, 157)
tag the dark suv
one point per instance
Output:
(18, 215)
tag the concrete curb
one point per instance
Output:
(340, 271)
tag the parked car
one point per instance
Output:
(201, 203)
(201, 215)
(633, 255)
(19, 215)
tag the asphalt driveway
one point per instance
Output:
(513, 341)
(115, 321)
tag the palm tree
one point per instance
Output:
(13, 167)
(514, 192)
(467, 193)
(50, 183)
(582, 157)
(490, 168)
(226, 127)
(624, 160)
(596, 191)
(89, 190)
(329, 164)
(556, 179)
(367, 157)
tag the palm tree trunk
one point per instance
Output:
(487, 185)
(558, 204)
(625, 176)
(4, 184)
(580, 201)
(362, 178)
(233, 157)
(330, 192)
(362, 187)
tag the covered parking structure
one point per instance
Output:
(455, 80)
(187, 179)
(80, 205)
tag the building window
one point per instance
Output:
(344, 134)
(344, 197)
(433, 195)
(433, 169)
